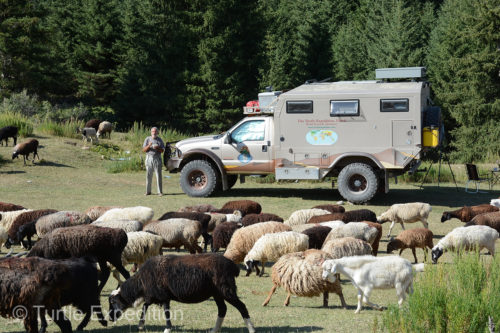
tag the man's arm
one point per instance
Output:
(146, 146)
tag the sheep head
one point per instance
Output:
(446, 216)
(329, 271)
(383, 218)
(116, 305)
(436, 253)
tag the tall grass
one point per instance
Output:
(23, 123)
(451, 298)
(132, 164)
(138, 132)
(66, 129)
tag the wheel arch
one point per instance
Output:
(206, 155)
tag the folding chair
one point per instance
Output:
(473, 176)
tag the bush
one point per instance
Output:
(66, 129)
(24, 125)
(138, 132)
(451, 298)
(21, 103)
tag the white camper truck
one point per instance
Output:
(361, 132)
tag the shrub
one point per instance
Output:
(66, 129)
(24, 125)
(451, 298)
(21, 103)
(126, 164)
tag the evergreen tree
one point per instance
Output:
(464, 64)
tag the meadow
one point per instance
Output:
(71, 178)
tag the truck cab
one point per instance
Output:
(361, 132)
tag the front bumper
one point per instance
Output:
(173, 164)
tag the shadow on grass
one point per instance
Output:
(160, 328)
(54, 164)
(13, 172)
(441, 196)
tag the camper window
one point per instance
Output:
(394, 105)
(299, 107)
(344, 108)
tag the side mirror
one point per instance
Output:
(227, 139)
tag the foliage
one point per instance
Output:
(21, 103)
(451, 298)
(23, 123)
(138, 133)
(131, 164)
(66, 129)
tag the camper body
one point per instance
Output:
(361, 132)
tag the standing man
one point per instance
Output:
(153, 147)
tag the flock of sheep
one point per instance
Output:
(310, 250)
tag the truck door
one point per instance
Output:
(249, 150)
(404, 137)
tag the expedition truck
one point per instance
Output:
(361, 132)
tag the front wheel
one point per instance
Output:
(357, 182)
(198, 178)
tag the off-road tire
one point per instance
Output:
(357, 183)
(199, 178)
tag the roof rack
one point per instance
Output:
(400, 73)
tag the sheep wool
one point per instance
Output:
(8, 218)
(27, 217)
(411, 239)
(357, 230)
(138, 213)
(244, 206)
(250, 219)
(317, 236)
(3, 236)
(201, 208)
(491, 220)
(331, 208)
(222, 235)
(96, 211)
(303, 227)
(47, 223)
(303, 215)
(177, 232)
(346, 247)
(467, 213)
(9, 207)
(125, 225)
(300, 274)
(406, 213)
(376, 241)
(243, 239)
(215, 220)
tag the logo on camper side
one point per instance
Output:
(321, 137)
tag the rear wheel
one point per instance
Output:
(357, 182)
(198, 178)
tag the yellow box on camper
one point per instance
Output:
(431, 136)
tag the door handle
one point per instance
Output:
(264, 148)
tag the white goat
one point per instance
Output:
(368, 272)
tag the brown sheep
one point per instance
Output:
(244, 206)
(23, 219)
(331, 208)
(491, 220)
(94, 123)
(411, 239)
(201, 208)
(25, 149)
(467, 213)
(349, 216)
(95, 212)
(9, 207)
(257, 218)
(376, 242)
(222, 235)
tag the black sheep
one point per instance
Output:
(257, 218)
(8, 132)
(222, 235)
(331, 208)
(25, 149)
(357, 215)
(185, 279)
(26, 230)
(317, 236)
(204, 219)
(104, 244)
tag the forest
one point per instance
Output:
(191, 65)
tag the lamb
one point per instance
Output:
(465, 214)
(95, 212)
(201, 208)
(376, 241)
(317, 236)
(357, 230)
(140, 247)
(185, 279)
(300, 275)
(243, 239)
(406, 213)
(104, 244)
(222, 235)
(22, 219)
(89, 133)
(271, 247)
(8, 218)
(125, 225)
(204, 220)
(368, 272)
(357, 215)
(138, 213)
(346, 247)
(93, 123)
(25, 149)
(467, 239)
(303, 215)
(177, 232)
(410, 239)
(244, 206)
(6, 133)
(491, 220)
(331, 208)
(105, 127)
(62, 219)
(9, 207)
(250, 219)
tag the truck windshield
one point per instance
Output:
(253, 130)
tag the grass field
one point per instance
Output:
(71, 178)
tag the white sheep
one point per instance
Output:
(368, 272)
(271, 247)
(234, 217)
(303, 227)
(140, 247)
(215, 220)
(125, 225)
(7, 218)
(467, 239)
(406, 213)
(3, 236)
(105, 127)
(138, 213)
(359, 230)
(332, 224)
(346, 247)
(303, 215)
(495, 202)
(177, 232)
(89, 133)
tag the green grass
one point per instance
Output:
(138, 132)
(72, 178)
(66, 129)
(23, 123)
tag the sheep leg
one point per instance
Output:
(43, 320)
(240, 306)
(402, 225)
(30, 321)
(425, 253)
(390, 228)
(166, 309)
(221, 313)
(360, 296)
(273, 289)
(414, 254)
(104, 274)
(325, 299)
(262, 272)
(287, 299)
(401, 251)
(61, 321)
(341, 296)
(366, 296)
(145, 306)
(424, 222)
(256, 266)
(119, 266)
(116, 275)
